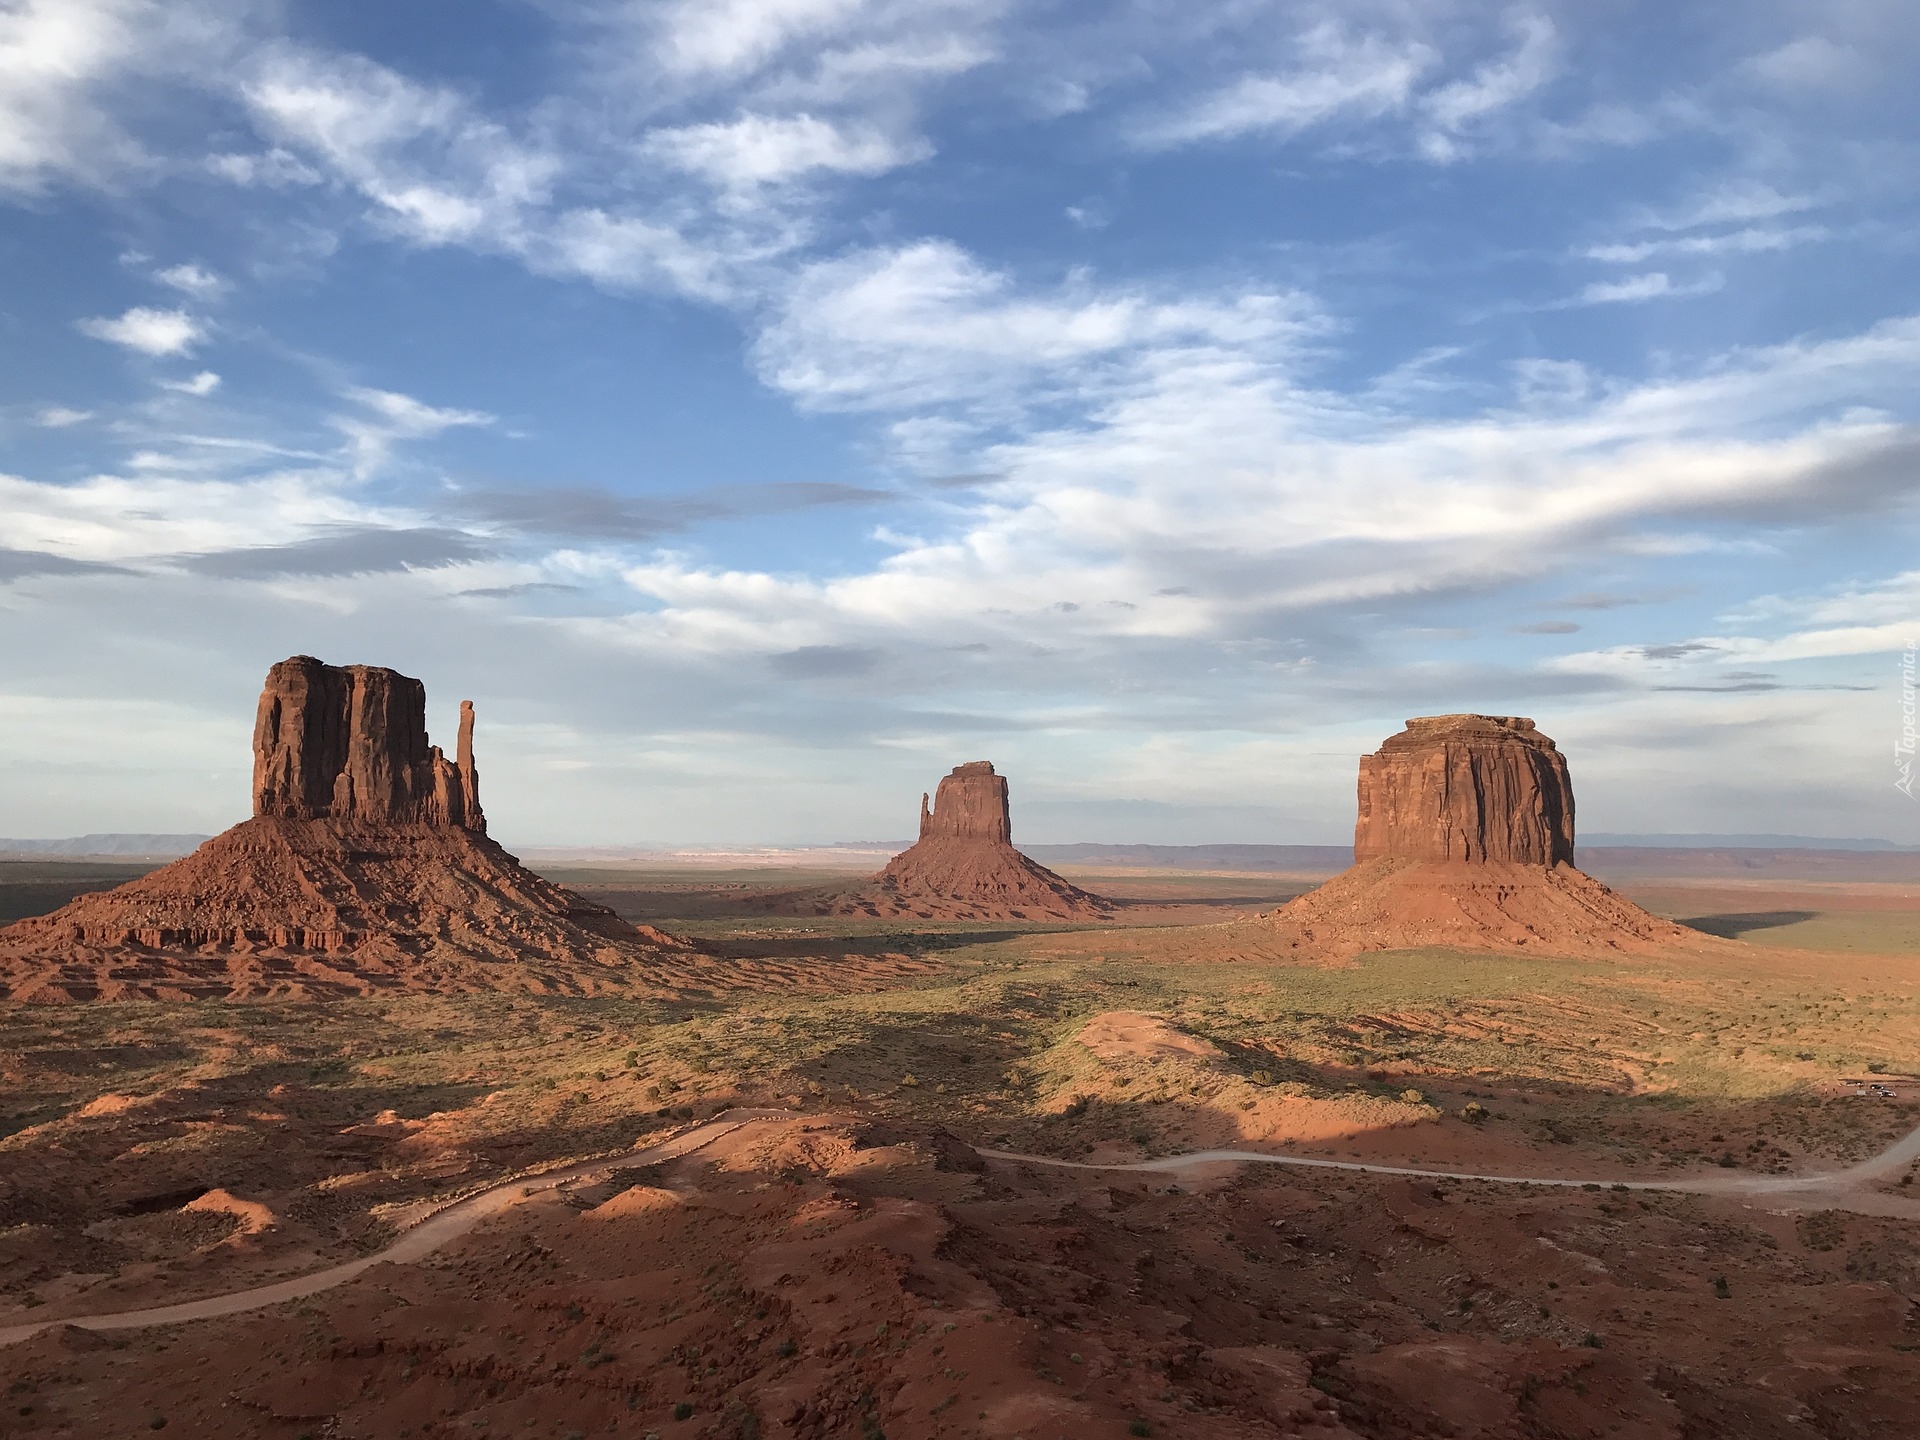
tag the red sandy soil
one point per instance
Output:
(953, 878)
(822, 1277)
(321, 908)
(1393, 904)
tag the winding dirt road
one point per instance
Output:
(1848, 1189)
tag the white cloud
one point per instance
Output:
(274, 169)
(60, 417)
(1812, 62)
(436, 172)
(204, 383)
(119, 519)
(51, 53)
(729, 37)
(757, 150)
(1733, 202)
(195, 280)
(1338, 75)
(1653, 285)
(151, 332)
(1451, 110)
(395, 417)
(927, 324)
(803, 52)
(1750, 241)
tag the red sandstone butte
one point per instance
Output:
(1466, 787)
(964, 866)
(349, 742)
(366, 866)
(1465, 840)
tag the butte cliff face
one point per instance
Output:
(1466, 787)
(366, 866)
(1465, 839)
(349, 742)
(964, 866)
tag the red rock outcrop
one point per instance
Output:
(964, 866)
(1465, 840)
(1466, 787)
(349, 742)
(366, 866)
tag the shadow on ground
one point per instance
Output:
(1732, 927)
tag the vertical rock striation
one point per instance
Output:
(1466, 787)
(969, 804)
(349, 743)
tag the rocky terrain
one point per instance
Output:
(423, 1163)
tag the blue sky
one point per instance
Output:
(758, 407)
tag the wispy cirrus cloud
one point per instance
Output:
(1335, 74)
(752, 151)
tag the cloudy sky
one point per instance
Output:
(758, 407)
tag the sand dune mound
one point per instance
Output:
(1465, 839)
(366, 866)
(964, 866)
(1128, 1034)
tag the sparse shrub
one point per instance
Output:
(1077, 1106)
(1878, 1067)
(1590, 1340)
(1262, 1077)
(1413, 1097)
(786, 1349)
(1721, 1288)
(1474, 1113)
(683, 1411)
(1823, 1230)
(1139, 1427)
(1727, 1162)
(909, 1081)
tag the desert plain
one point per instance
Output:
(770, 1197)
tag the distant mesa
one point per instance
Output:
(366, 866)
(1465, 839)
(964, 866)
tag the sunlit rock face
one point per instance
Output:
(1476, 788)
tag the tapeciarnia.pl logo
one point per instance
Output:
(1903, 747)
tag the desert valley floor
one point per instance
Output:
(801, 1191)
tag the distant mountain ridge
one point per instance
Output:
(143, 846)
(1739, 842)
(1304, 858)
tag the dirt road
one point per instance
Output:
(1848, 1189)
